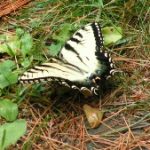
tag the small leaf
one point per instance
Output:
(8, 110)
(93, 115)
(13, 44)
(54, 49)
(10, 44)
(26, 43)
(10, 50)
(111, 35)
(100, 3)
(129, 4)
(8, 79)
(11, 132)
(26, 62)
(6, 66)
(7, 76)
(64, 33)
(61, 38)
(19, 32)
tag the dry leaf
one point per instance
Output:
(93, 115)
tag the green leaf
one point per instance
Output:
(26, 62)
(54, 49)
(111, 35)
(7, 76)
(10, 44)
(61, 38)
(8, 110)
(19, 32)
(26, 43)
(64, 33)
(13, 44)
(11, 132)
(7, 79)
(6, 66)
(100, 3)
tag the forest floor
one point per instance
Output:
(58, 122)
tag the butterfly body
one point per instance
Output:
(81, 63)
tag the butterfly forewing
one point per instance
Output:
(80, 49)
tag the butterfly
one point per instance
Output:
(81, 63)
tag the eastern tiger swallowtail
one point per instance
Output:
(81, 63)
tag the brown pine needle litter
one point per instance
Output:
(8, 6)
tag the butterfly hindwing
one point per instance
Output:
(51, 70)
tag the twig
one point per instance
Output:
(125, 128)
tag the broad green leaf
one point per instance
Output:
(111, 35)
(19, 32)
(10, 44)
(61, 37)
(100, 3)
(14, 44)
(8, 79)
(11, 132)
(8, 110)
(7, 76)
(64, 33)
(6, 66)
(54, 49)
(26, 43)
(26, 62)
